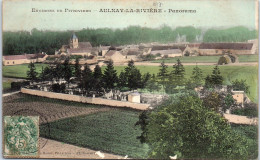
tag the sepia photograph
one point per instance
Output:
(110, 79)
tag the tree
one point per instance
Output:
(32, 74)
(46, 74)
(86, 82)
(110, 76)
(67, 70)
(177, 75)
(58, 71)
(98, 79)
(197, 76)
(77, 69)
(163, 74)
(240, 85)
(133, 76)
(184, 127)
(145, 78)
(152, 84)
(122, 81)
(215, 79)
(213, 101)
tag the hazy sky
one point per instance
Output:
(18, 15)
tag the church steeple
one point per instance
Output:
(74, 43)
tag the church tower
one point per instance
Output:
(74, 42)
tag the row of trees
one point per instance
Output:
(49, 41)
(176, 78)
(88, 80)
(131, 77)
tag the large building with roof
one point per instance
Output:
(24, 58)
(222, 48)
(115, 56)
(75, 47)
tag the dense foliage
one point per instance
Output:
(234, 34)
(250, 110)
(215, 79)
(48, 41)
(186, 128)
(32, 74)
(240, 85)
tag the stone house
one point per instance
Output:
(24, 58)
(168, 53)
(115, 56)
(174, 49)
(222, 48)
(192, 48)
(102, 50)
(133, 55)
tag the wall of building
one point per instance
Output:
(82, 54)
(16, 62)
(174, 55)
(131, 57)
(211, 52)
(76, 98)
(117, 57)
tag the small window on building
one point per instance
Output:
(13, 62)
(216, 51)
(7, 62)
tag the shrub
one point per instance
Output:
(187, 53)
(50, 58)
(59, 88)
(75, 57)
(19, 85)
(233, 58)
(250, 110)
(240, 85)
(149, 57)
(158, 54)
(224, 60)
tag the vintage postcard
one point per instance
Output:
(110, 79)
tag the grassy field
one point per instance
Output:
(20, 71)
(230, 73)
(6, 85)
(112, 132)
(207, 59)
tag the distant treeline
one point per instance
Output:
(235, 34)
(49, 41)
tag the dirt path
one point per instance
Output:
(55, 149)
(9, 94)
(187, 64)
(241, 119)
(7, 79)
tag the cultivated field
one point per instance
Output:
(112, 132)
(97, 127)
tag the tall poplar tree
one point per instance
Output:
(163, 75)
(32, 74)
(177, 75)
(98, 79)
